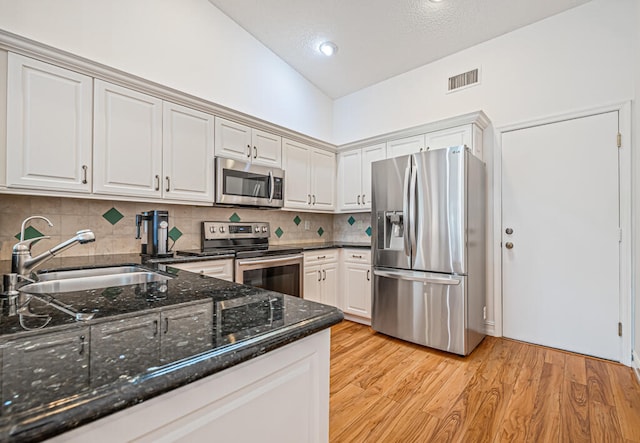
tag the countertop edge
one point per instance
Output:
(166, 378)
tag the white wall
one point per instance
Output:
(571, 61)
(188, 45)
(635, 155)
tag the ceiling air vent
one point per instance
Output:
(464, 80)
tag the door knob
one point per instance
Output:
(509, 231)
(508, 245)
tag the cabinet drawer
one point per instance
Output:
(222, 269)
(320, 256)
(362, 256)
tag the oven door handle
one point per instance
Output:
(261, 260)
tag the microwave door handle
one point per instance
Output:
(405, 209)
(272, 187)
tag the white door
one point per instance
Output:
(560, 199)
(267, 149)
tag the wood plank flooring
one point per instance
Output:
(388, 390)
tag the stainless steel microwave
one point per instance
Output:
(240, 183)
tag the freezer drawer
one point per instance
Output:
(424, 308)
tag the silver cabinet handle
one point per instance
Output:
(81, 345)
(255, 152)
(168, 184)
(309, 199)
(319, 276)
(166, 325)
(84, 174)
(356, 256)
(155, 327)
(324, 275)
(358, 199)
(314, 199)
(320, 257)
(157, 182)
(364, 202)
(248, 151)
(368, 274)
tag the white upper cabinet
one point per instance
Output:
(187, 153)
(310, 177)
(469, 135)
(48, 126)
(127, 142)
(354, 177)
(405, 146)
(240, 142)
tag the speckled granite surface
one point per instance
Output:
(327, 245)
(144, 340)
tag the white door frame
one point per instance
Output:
(626, 258)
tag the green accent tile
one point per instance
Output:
(175, 234)
(29, 233)
(113, 216)
(234, 218)
(368, 231)
(297, 220)
(279, 232)
(351, 220)
(320, 231)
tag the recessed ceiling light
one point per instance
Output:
(328, 48)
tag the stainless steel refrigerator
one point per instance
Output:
(428, 219)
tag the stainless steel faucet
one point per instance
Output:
(22, 263)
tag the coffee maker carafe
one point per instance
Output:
(155, 240)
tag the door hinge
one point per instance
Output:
(619, 140)
(619, 329)
(619, 235)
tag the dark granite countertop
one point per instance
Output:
(329, 245)
(101, 368)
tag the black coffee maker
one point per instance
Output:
(155, 239)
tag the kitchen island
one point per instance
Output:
(188, 357)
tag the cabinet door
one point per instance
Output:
(186, 331)
(445, 138)
(48, 126)
(330, 284)
(312, 283)
(323, 180)
(357, 290)
(404, 146)
(267, 149)
(127, 142)
(296, 164)
(124, 348)
(233, 140)
(369, 155)
(59, 364)
(350, 180)
(187, 151)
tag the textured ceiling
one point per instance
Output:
(378, 39)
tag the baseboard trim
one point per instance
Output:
(635, 364)
(490, 328)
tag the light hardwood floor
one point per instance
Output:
(388, 390)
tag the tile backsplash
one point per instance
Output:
(113, 222)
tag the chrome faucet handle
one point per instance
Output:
(25, 245)
(24, 224)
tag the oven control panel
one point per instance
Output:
(232, 230)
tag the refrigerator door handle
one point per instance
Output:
(405, 209)
(415, 276)
(412, 209)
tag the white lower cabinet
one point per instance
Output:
(222, 269)
(283, 395)
(356, 284)
(321, 276)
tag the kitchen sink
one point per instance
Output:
(93, 278)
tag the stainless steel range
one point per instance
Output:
(277, 268)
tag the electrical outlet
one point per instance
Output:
(306, 225)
